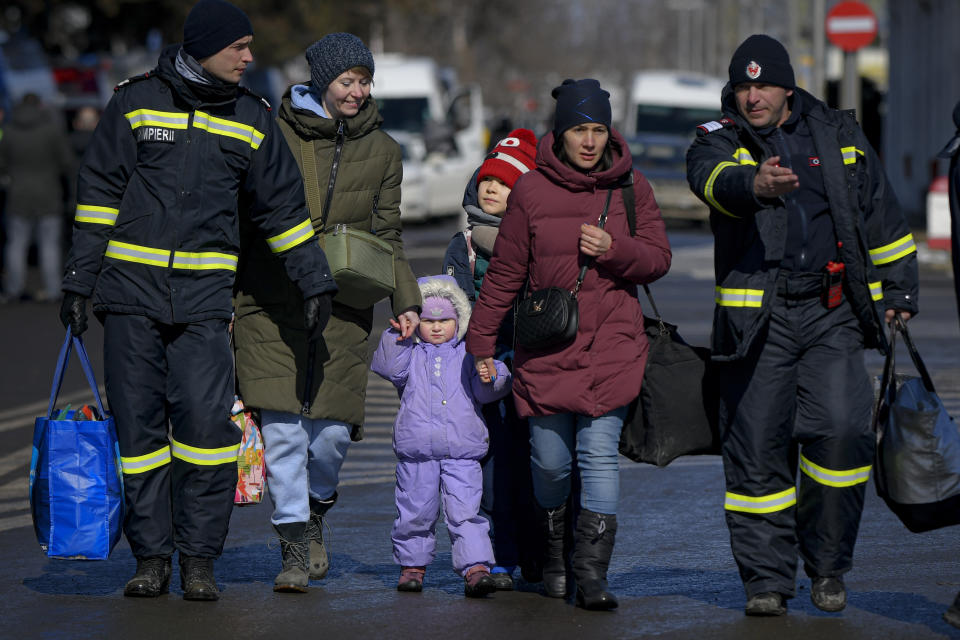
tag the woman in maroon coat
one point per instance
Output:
(576, 395)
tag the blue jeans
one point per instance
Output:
(553, 442)
(20, 230)
(303, 458)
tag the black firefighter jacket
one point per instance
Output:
(156, 231)
(750, 233)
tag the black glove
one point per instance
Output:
(73, 312)
(316, 314)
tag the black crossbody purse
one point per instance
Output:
(548, 317)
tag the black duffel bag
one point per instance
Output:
(917, 471)
(676, 413)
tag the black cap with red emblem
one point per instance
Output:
(760, 58)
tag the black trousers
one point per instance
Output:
(802, 398)
(170, 389)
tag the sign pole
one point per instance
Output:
(850, 94)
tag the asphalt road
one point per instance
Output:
(672, 567)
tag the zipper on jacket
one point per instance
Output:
(333, 174)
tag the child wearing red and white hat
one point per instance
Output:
(507, 502)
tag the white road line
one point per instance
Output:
(345, 483)
(15, 488)
(24, 520)
(16, 460)
(19, 505)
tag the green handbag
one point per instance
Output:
(362, 264)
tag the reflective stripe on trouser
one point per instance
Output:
(814, 357)
(181, 375)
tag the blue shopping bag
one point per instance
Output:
(76, 487)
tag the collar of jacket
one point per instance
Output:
(569, 178)
(310, 126)
(193, 94)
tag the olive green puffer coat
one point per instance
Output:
(271, 343)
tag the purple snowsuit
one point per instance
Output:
(439, 438)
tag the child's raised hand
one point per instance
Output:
(406, 323)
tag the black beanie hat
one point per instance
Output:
(333, 54)
(580, 101)
(213, 25)
(760, 58)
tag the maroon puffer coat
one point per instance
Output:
(602, 368)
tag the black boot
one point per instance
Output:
(196, 578)
(553, 524)
(294, 553)
(319, 560)
(595, 536)
(151, 579)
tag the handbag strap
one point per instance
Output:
(63, 359)
(901, 326)
(311, 184)
(886, 380)
(586, 265)
(661, 327)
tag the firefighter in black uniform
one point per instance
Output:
(156, 242)
(812, 255)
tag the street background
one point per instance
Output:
(672, 568)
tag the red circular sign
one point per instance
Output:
(851, 25)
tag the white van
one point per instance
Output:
(440, 127)
(664, 110)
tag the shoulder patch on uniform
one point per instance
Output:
(142, 76)
(714, 125)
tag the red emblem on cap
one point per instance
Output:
(753, 70)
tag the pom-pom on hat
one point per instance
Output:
(511, 158)
(333, 54)
(213, 25)
(760, 58)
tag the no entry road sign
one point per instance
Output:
(851, 25)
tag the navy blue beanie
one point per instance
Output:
(760, 58)
(213, 25)
(580, 101)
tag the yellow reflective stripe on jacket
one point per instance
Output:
(893, 251)
(204, 260)
(222, 127)
(139, 464)
(149, 117)
(708, 188)
(833, 477)
(96, 215)
(739, 297)
(197, 455)
(876, 291)
(850, 154)
(291, 237)
(743, 156)
(761, 504)
(136, 253)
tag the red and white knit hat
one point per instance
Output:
(511, 158)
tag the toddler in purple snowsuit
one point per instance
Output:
(439, 438)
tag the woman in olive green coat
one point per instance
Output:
(357, 180)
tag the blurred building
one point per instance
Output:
(924, 86)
